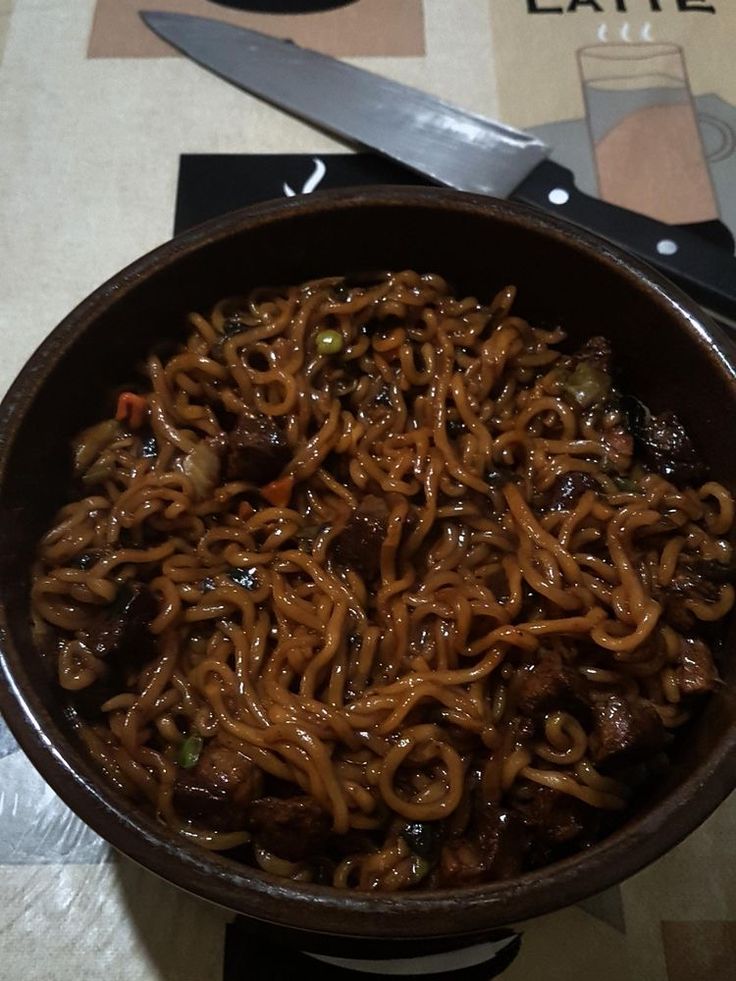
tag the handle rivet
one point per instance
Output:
(667, 247)
(558, 196)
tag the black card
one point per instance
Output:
(213, 184)
(248, 957)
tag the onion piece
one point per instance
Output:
(202, 466)
(92, 442)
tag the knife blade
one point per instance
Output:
(449, 145)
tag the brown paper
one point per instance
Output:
(366, 27)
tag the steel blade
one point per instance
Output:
(451, 146)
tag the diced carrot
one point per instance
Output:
(132, 409)
(278, 492)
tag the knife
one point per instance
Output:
(449, 145)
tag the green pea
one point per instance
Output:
(329, 342)
(190, 750)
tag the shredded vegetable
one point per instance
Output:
(190, 750)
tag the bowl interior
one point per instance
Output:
(664, 356)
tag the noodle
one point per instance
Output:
(376, 589)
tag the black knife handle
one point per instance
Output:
(701, 269)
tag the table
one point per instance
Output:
(106, 138)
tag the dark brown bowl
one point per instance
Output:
(670, 355)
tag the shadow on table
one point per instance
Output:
(178, 937)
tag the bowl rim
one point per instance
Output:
(323, 910)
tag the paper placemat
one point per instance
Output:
(104, 146)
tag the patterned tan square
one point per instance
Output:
(535, 56)
(364, 27)
(700, 950)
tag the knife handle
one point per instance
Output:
(701, 269)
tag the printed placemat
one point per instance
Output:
(98, 154)
(637, 97)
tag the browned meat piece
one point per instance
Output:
(217, 791)
(625, 732)
(697, 672)
(257, 450)
(495, 851)
(294, 829)
(666, 448)
(557, 824)
(552, 686)
(463, 740)
(122, 638)
(462, 863)
(502, 839)
(124, 627)
(358, 546)
(554, 817)
(693, 580)
(713, 571)
(596, 351)
(619, 446)
(569, 487)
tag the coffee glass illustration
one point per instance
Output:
(646, 134)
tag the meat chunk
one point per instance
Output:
(552, 686)
(217, 791)
(626, 732)
(358, 546)
(713, 571)
(124, 628)
(121, 638)
(495, 850)
(557, 824)
(663, 444)
(553, 817)
(569, 487)
(697, 672)
(619, 446)
(693, 580)
(257, 450)
(462, 863)
(294, 829)
(666, 448)
(502, 840)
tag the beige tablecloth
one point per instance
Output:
(94, 115)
